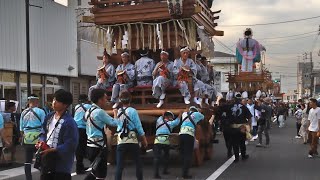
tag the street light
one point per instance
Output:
(27, 4)
(28, 48)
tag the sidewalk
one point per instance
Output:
(18, 162)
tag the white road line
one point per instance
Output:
(221, 169)
(14, 172)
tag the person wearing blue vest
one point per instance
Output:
(164, 127)
(31, 121)
(187, 138)
(79, 112)
(130, 130)
(59, 139)
(97, 119)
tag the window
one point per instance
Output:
(36, 79)
(7, 76)
(79, 2)
(10, 92)
(55, 80)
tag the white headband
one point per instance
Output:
(125, 54)
(32, 97)
(184, 49)
(164, 52)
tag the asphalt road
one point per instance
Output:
(286, 158)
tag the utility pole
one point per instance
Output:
(280, 83)
(27, 7)
(28, 47)
(312, 77)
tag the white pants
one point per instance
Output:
(247, 65)
(281, 121)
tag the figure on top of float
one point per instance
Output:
(105, 74)
(248, 51)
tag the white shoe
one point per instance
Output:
(259, 145)
(252, 139)
(196, 100)
(162, 96)
(115, 105)
(186, 100)
(298, 137)
(310, 156)
(160, 103)
(255, 137)
(246, 143)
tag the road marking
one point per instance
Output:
(221, 169)
(14, 172)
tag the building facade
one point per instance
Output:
(290, 96)
(53, 49)
(223, 64)
(304, 79)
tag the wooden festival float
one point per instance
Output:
(251, 76)
(251, 82)
(156, 25)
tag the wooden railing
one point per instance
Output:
(126, 11)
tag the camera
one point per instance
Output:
(43, 146)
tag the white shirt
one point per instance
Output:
(314, 117)
(245, 94)
(50, 129)
(252, 111)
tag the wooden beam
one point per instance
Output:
(215, 12)
(133, 12)
(219, 33)
(140, 7)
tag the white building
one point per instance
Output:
(290, 96)
(224, 63)
(53, 49)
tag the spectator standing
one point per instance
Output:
(303, 132)
(314, 118)
(60, 133)
(298, 115)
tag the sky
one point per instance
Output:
(283, 53)
(63, 2)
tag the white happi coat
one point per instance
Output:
(229, 96)
(203, 75)
(183, 86)
(144, 67)
(130, 71)
(117, 87)
(104, 84)
(160, 83)
(253, 113)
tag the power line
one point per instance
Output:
(223, 45)
(271, 23)
(281, 37)
(290, 39)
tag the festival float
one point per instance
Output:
(252, 80)
(154, 25)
